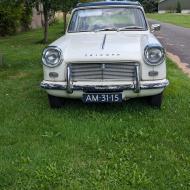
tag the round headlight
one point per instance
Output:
(52, 56)
(154, 55)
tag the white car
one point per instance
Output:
(108, 54)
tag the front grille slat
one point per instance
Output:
(118, 71)
(86, 71)
(88, 76)
(103, 71)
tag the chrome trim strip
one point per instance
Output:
(104, 41)
(69, 82)
(71, 87)
(137, 79)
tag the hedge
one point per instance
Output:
(14, 16)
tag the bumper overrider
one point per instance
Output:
(135, 85)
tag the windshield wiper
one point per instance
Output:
(130, 27)
(106, 29)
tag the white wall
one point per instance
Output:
(162, 11)
(185, 11)
(169, 11)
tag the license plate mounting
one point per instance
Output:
(102, 97)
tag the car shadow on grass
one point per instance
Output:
(137, 104)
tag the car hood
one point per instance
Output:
(94, 47)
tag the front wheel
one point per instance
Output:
(156, 100)
(55, 102)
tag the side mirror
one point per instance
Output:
(155, 27)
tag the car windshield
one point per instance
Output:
(107, 19)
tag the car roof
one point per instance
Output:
(108, 3)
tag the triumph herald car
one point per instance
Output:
(108, 54)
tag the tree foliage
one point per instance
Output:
(49, 9)
(65, 7)
(149, 5)
(14, 14)
(26, 16)
(178, 9)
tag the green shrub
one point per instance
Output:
(14, 16)
(10, 16)
(178, 9)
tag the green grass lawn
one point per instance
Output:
(177, 19)
(124, 146)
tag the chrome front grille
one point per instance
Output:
(103, 71)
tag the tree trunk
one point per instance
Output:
(46, 24)
(64, 21)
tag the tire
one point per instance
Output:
(156, 100)
(55, 102)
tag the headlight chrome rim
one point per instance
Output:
(53, 48)
(162, 58)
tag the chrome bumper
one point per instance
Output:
(144, 86)
(136, 85)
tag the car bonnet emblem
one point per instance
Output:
(102, 55)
